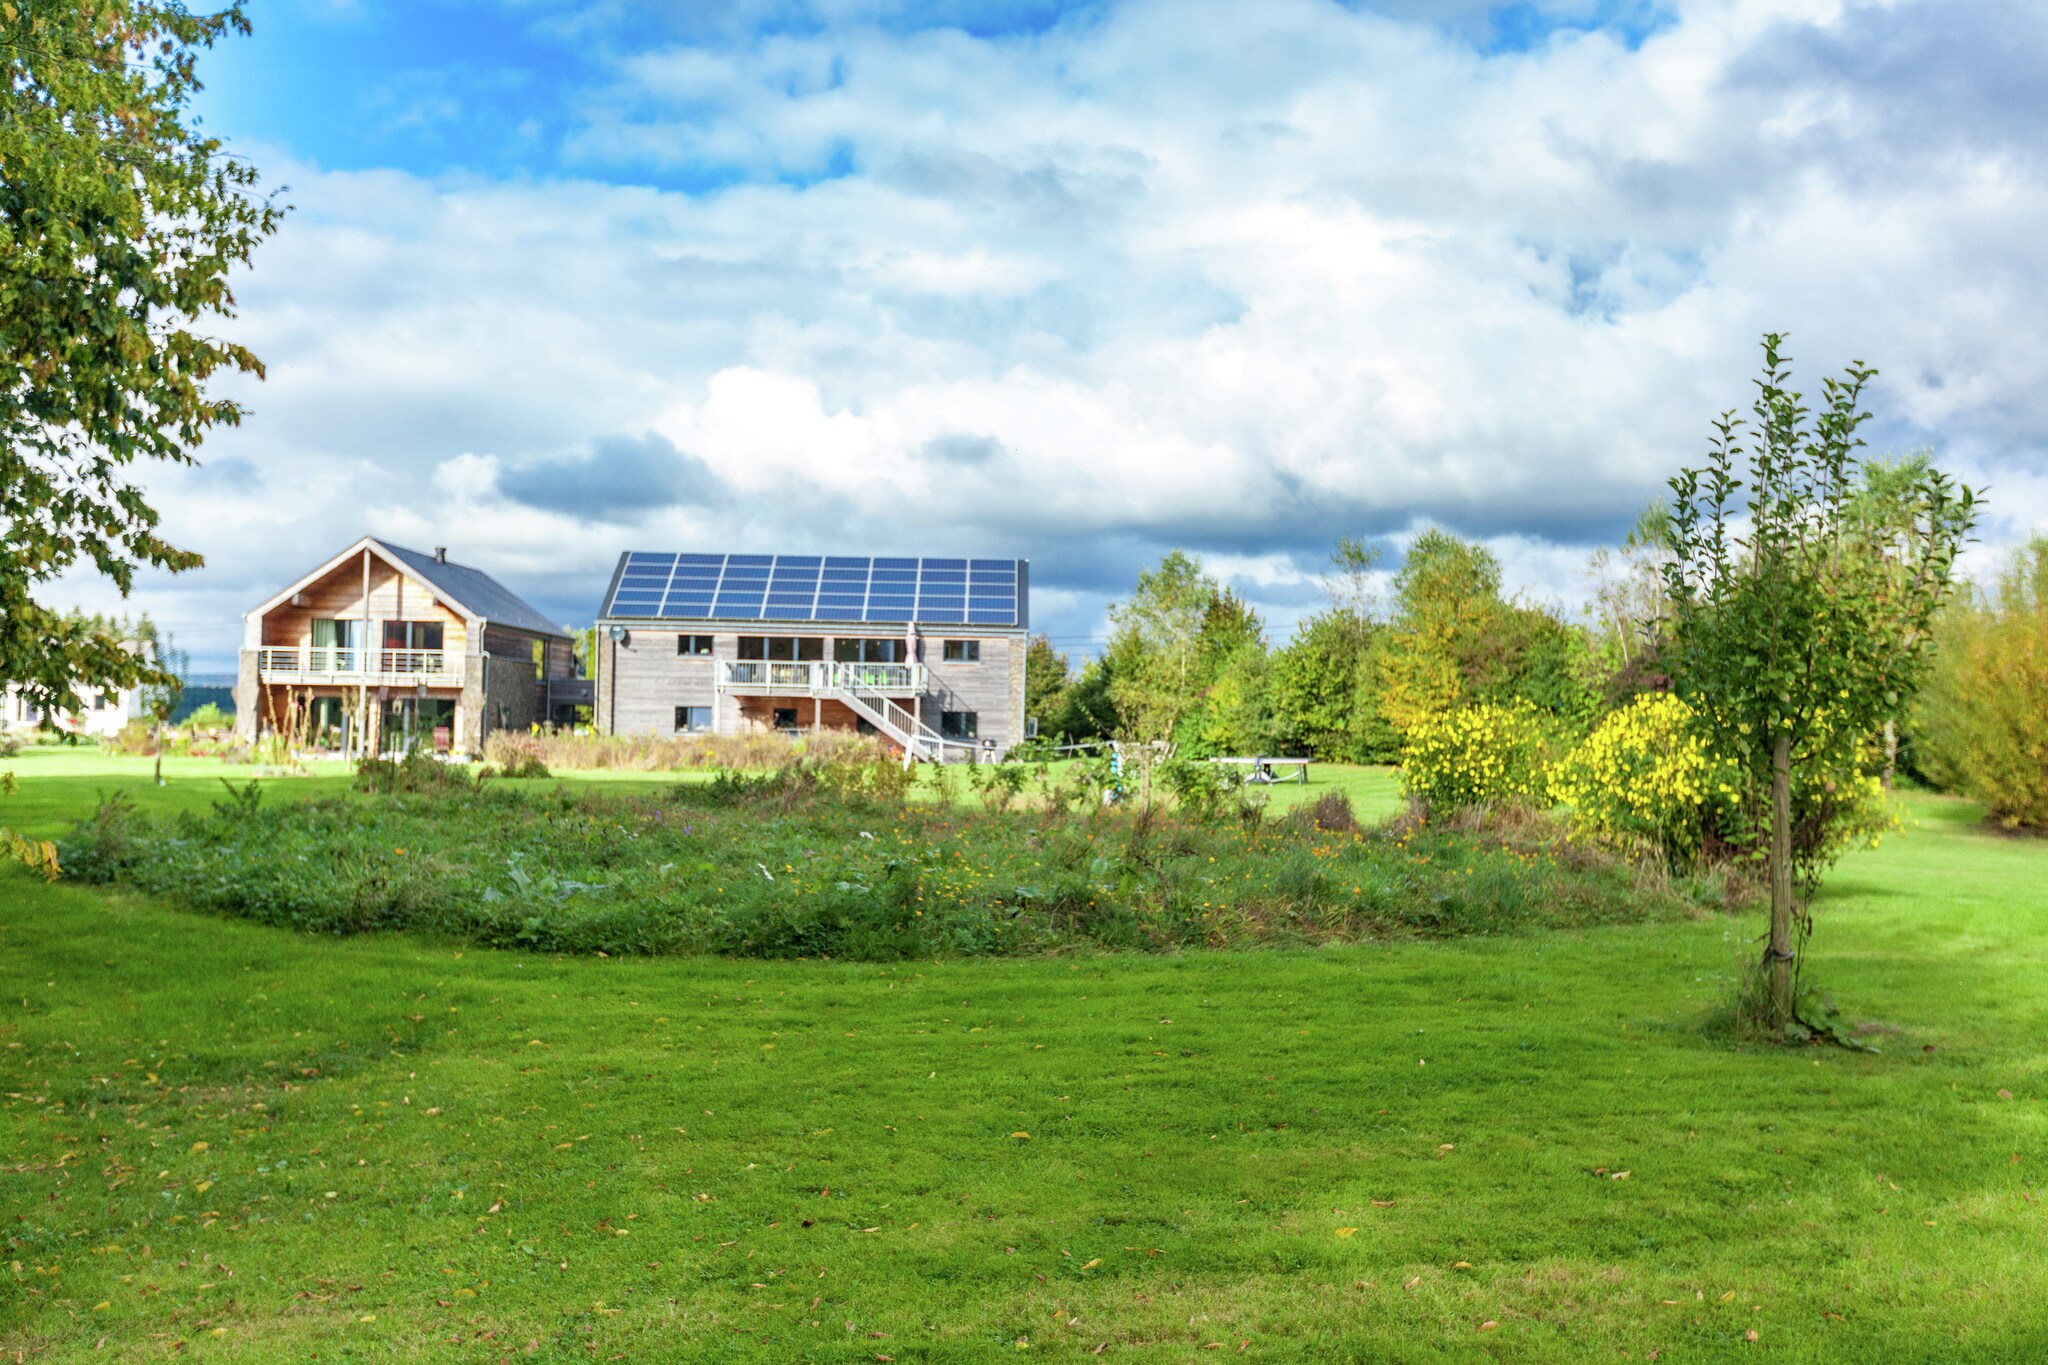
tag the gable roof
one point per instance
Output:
(470, 591)
(473, 590)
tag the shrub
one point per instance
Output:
(1646, 777)
(136, 739)
(568, 751)
(417, 771)
(784, 864)
(207, 718)
(1984, 716)
(998, 784)
(1480, 755)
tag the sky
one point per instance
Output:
(1083, 282)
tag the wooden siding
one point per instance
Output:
(983, 688)
(646, 680)
(641, 683)
(339, 596)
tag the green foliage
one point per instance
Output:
(1983, 720)
(210, 716)
(1648, 777)
(1087, 706)
(119, 225)
(796, 863)
(1323, 689)
(1047, 675)
(1796, 631)
(1482, 755)
(1159, 653)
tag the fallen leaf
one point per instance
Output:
(2002, 1094)
(200, 1146)
(1488, 1325)
(1092, 1264)
(1461, 1265)
(1346, 1232)
(1412, 1283)
(1728, 1297)
(1383, 1203)
(1026, 1136)
(1750, 1335)
(1619, 1175)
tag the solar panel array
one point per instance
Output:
(982, 592)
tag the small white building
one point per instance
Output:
(104, 712)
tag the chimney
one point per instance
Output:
(440, 554)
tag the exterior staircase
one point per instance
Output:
(870, 691)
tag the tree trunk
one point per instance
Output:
(1778, 960)
(1891, 751)
(159, 754)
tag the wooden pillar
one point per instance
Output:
(363, 663)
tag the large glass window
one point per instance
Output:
(412, 635)
(960, 724)
(871, 651)
(693, 720)
(782, 648)
(694, 646)
(963, 651)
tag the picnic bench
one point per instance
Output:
(1262, 768)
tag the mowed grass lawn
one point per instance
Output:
(231, 1142)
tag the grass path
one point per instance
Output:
(265, 1146)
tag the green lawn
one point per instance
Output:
(250, 1145)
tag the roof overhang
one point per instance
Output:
(372, 545)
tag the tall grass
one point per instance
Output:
(514, 751)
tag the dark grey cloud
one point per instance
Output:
(619, 479)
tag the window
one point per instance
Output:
(694, 646)
(870, 651)
(693, 720)
(785, 718)
(963, 651)
(960, 724)
(412, 635)
(783, 648)
(99, 701)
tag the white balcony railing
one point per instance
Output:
(323, 661)
(817, 679)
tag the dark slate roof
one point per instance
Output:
(473, 590)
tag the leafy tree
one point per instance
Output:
(1791, 645)
(1983, 719)
(1630, 607)
(119, 225)
(1087, 708)
(1158, 646)
(1046, 676)
(1884, 511)
(1446, 635)
(162, 689)
(1323, 687)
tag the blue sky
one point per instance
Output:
(1080, 282)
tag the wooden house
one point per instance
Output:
(381, 648)
(927, 653)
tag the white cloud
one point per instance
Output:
(1236, 276)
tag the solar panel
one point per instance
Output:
(819, 588)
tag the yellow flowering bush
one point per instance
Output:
(1647, 776)
(1481, 755)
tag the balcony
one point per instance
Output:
(756, 678)
(374, 667)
